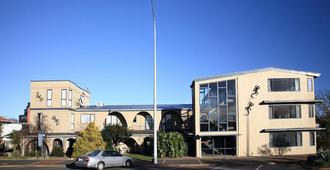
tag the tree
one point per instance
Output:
(88, 140)
(15, 137)
(113, 134)
(323, 118)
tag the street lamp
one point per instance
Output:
(155, 82)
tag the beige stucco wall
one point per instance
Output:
(258, 118)
(56, 86)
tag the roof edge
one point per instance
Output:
(313, 74)
(85, 90)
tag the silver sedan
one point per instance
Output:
(100, 159)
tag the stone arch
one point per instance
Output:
(69, 150)
(32, 147)
(171, 121)
(143, 121)
(114, 118)
(57, 143)
(132, 145)
(147, 145)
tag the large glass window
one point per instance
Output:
(284, 111)
(311, 110)
(283, 84)
(285, 139)
(63, 97)
(219, 145)
(309, 84)
(49, 97)
(87, 118)
(218, 106)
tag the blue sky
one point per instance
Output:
(107, 45)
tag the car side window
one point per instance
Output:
(107, 153)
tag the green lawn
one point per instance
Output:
(140, 157)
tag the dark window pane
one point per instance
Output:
(213, 89)
(231, 88)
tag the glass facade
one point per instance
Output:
(218, 106)
(219, 145)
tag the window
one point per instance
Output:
(284, 111)
(309, 84)
(72, 121)
(63, 97)
(218, 106)
(311, 110)
(70, 98)
(283, 84)
(87, 118)
(312, 138)
(113, 120)
(49, 97)
(285, 139)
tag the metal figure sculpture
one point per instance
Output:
(255, 91)
(248, 108)
(38, 96)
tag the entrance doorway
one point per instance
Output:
(219, 145)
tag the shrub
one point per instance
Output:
(57, 152)
(89, 139)
(170, 144)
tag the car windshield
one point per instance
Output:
(93, 153)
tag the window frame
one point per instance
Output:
(70, 98)
(298, 141)
(312, 139)
(296, 87)
(311, 110)
(91, 118)
(310, 85)
(64, 97)
(271, 111)
(72, 121)
(49, 98)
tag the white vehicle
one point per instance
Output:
(100, 159)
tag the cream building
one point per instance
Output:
(254, 113)
(64, 108)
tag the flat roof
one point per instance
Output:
(62, 80)
(316, 75)
(135, 107)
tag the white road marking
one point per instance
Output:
(259, 166)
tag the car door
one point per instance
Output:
(107, 158)
(117, 158)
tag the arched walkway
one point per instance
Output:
(115, 118)
(143, 121)
(32, 148)
(171, 121)
(69, 151)
(57, 143)
(133, 146)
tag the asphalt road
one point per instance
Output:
(174, 164)
(195, 167)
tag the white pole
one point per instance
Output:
(155, 83)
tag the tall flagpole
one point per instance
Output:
(155, 82)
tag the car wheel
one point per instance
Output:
(128, 163)
(100, 166)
